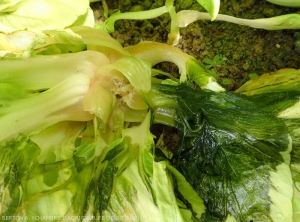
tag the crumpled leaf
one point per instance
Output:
(37, 15)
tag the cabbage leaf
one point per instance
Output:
(38, 15)
(234, 154)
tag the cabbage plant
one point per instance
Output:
(77, 138)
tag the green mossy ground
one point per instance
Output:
(247, 50)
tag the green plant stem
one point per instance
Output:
(289, 21)
(140, 15)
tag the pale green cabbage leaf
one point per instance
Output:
(38, 15)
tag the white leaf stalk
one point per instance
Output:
(44, 72)
(189, 67)
(289, 21)
(60, 103)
